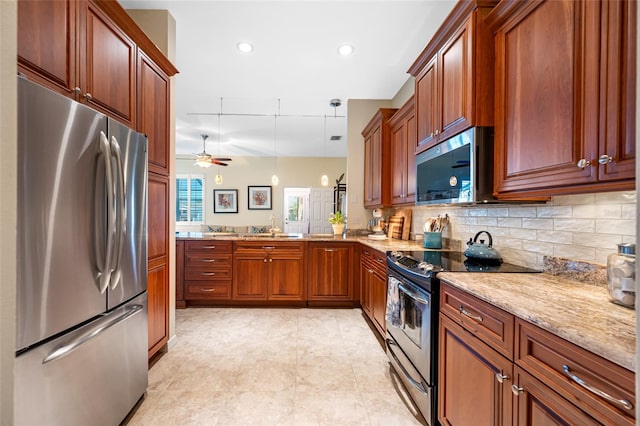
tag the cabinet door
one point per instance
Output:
(455, 81)
(538, 405)
(153, 114)
(469, 390)
(330, 272)
(398, 164)
(107, 66)
(379, 300)
(158, 313)
(410, 191)
(546, 96)
(250, 277)
(158, 216)
(365, 287)
(618, 130)
(47, 43)
(286, 277)
(426, 106)
(373, 178)
(180, 303)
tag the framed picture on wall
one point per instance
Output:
(225, 201)
(259, 198)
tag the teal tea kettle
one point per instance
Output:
(481, 252)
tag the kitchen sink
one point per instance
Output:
(274, 235)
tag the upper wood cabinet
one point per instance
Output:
(153, 112)
(565, 97)
(403, 158)
(377, 159)
(454, 76)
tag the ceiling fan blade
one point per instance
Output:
(219, 163)
(222, 159)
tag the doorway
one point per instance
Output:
(296, 210)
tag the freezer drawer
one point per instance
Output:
(91, 376)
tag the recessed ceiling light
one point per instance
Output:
(245, 47)
(345, 49)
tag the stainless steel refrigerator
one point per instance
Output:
(81, 341)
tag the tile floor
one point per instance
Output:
(235, 366)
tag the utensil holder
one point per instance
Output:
(433, 240)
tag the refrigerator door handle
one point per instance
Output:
(102, 325)
(121, 212)
(105, 274)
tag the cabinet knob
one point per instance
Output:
(270, 260)
(264, 260)
(77, 91)
(431, 135)
(583, 163)
(517, 390)
(501, 377)
(437, 132)
(88, 96)
(604, 159)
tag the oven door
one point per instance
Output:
(412, 333)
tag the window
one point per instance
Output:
(190, 199)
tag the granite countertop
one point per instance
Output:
(577, 312)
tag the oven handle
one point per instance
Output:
(420, 386)
(415, 296)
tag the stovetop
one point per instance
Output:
(428, 262)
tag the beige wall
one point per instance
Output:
(257, 171)
(8, 196)
(160, 27)
(406, 91)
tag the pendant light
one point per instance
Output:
(274, 179)
(218, 178)
(324, 180)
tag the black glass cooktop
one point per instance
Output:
(430, 261)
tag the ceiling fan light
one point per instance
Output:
(203, 163)
(324, 180)
(275, 180)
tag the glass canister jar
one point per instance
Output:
(621, 275)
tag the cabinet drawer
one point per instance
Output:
(207, 274)
(268, 247)
(492, 325)
(213, 260)
(547, 356)
(208, 247)
(375, 260)
(198, 291)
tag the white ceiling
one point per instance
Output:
(294, 70)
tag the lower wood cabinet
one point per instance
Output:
(158, 307)
(495, 369)
(268, 271)
(330, 273)
(474, 380)
(373, 286)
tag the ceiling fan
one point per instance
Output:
(205, 160)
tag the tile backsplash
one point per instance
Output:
(583, 227)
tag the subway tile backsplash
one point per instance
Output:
(583, 227)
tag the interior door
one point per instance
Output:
(296, 210)
(321, 201)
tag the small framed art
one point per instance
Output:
(225, 201)
(259, 198)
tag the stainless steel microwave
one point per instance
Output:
(458, 170)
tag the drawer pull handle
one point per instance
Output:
(464, 312)
(501, 377)
(268, 247)
(622, 402)
(208, 290)
(207, 260)
(209, 247)
(380, 260)
(517, 390)
(330, 250)
(207, 273)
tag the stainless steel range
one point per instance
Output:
(412, 318)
